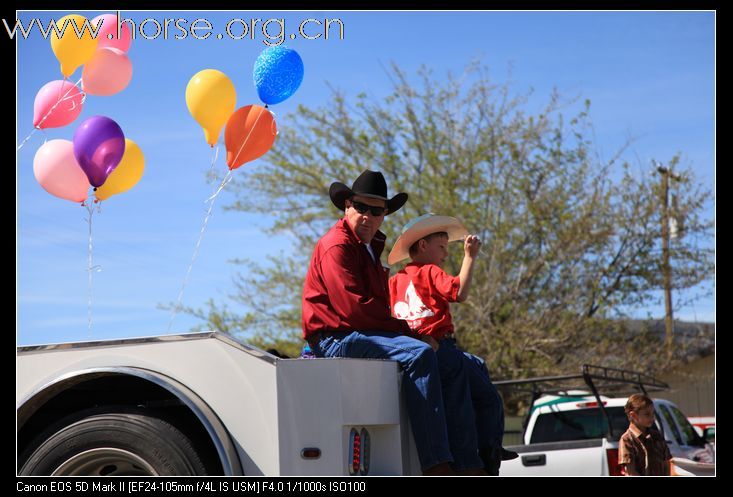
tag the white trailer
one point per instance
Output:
(204, 403)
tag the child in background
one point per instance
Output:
(642, 449)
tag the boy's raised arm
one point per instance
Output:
(471, 246)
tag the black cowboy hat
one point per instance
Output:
(369, 184)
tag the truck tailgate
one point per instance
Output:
(576, 458)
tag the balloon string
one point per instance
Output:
(59, 99)
(213, 163)
(273, 126)
(211, 200)
(248, 135)
(91, 268)
(224, 182)
(26, 139)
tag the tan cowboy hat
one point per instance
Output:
(421, 227)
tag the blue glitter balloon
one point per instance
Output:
(277, 74)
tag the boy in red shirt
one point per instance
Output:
(420, 294)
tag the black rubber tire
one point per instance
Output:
(161, 445)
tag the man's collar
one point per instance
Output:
(379, 238)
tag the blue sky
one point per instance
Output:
(649, 75)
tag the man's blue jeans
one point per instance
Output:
(420, 382)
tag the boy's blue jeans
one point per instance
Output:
(487, 403)
(480, 426)
(420, 382)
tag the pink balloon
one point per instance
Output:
(109, 27)
(56, 169)
(109, 72)
(63, 97)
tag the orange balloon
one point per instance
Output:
(249, 134)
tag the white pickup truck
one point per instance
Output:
(205, 404)
(575, 432)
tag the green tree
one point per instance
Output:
(569, 239)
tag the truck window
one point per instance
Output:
(689, 437)
(581, 424)
(672, 426)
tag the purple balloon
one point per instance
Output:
(98, 147)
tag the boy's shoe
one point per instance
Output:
(508, 455)
(492, 458)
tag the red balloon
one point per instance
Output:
(249, 134)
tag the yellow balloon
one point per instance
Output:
(127, 173)
(70, 50)
(211, 98)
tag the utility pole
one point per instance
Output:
(666, 267)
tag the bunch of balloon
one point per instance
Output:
(250, 131)
(107, 68)
(99, 148)
(59, 102)
(109, 72)
(66, 168)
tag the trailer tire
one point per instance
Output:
(114, 444)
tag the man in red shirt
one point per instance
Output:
(346, 310)
(421, 294)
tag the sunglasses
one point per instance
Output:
(362, 208)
